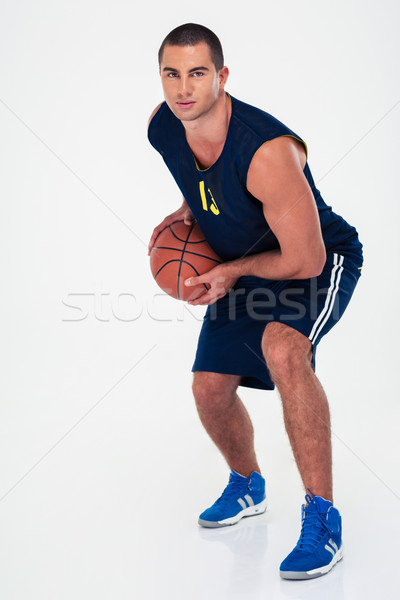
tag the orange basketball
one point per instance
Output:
(180, 252)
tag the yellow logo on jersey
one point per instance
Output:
(213, 206)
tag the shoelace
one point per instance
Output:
(314, 527)
(233, 488)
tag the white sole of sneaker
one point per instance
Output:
(314, 572)
(250, 511)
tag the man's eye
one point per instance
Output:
(171, 75)
(198, 74)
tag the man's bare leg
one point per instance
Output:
(226, 419)
(305, 407)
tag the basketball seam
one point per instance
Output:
(181, 260)
(181, 240)
(187, 252)
(177, 260)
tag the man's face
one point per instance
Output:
(190, 82)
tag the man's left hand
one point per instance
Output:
(220, 279)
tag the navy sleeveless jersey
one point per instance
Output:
(231, 218)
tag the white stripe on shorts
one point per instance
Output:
(324, 315)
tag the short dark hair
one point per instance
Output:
(191, 34)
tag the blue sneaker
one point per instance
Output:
(320, 544)
(242, 497)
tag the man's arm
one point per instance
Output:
(276, 178)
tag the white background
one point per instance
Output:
(104, 463)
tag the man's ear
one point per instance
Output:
(223, 76)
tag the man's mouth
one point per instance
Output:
(185, 103)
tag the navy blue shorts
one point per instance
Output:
(232, 330)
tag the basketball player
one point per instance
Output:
(290, 267)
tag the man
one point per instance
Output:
(246, 181)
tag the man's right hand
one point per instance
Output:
(182, 214)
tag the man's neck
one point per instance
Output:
(212, 127)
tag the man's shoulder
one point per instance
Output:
(164, 129)
(155, 111)
(282, 152)
(260, 127)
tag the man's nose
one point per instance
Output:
(184, 86)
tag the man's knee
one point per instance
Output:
(286, 350)
(214, 390)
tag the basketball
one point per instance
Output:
(180, 252)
